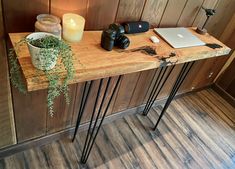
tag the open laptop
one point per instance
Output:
(179, 37)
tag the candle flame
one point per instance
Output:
(72, 22)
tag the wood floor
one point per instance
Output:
(198, 131)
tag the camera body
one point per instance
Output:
(114, 36)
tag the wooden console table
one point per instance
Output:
(92, 62)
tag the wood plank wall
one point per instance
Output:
(31, 116)
(226, 80)
(7, 128)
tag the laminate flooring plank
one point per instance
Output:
(134, 144)
(204, 135)
(196, 131)
(185, 139)
(194, 138)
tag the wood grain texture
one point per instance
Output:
(228, 36)
(218, 23)
(203, 71)
(201, 17)
(101, 13)
(21, 18)
(142, 87)
(227, 78)
(196, 132)
(30, 114)
(125, 91)
(62, 118)
(119, 62)
(129, 10)
(60, 7)
(30, 119)
(189, 13)
(182, 18)
(98, 15)
(7, 125)
(153, 11)
(172, 13)
(93, 94)
(77, 102)
(231, 89)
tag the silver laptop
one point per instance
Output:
(179, 37)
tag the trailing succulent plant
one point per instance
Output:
(57, 83)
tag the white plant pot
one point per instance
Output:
(38, 59)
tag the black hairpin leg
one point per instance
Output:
(92, 133)
(157, 87)
(82, 106)
(181, 77)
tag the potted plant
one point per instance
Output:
(45, 49)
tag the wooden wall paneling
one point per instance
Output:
(7, 124)
(125, 91)
(90, 102)
(209, 68)
(227, 77)
(231, 88)
(228, 36)
(63, 112)
(77, 102)
(30, 110)
(20, 16)
(205, 72)
(172, 13)
(60, 7)
(101, 13)
(129, 10)
(201, 17)
(110, 111)
(190, 12)
(153, 11)
(183, 11)
(188, 84)
(168, 85)
(30, 114)
(142, 87)
(91, 99)
(224, 12)
(201, 70)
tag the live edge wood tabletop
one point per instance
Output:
(93, 62)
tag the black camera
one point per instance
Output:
(114, 36)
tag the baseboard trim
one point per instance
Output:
(7, 151)
(224, 94)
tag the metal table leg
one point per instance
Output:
(85, 95)
(157, 87)
(181, 77)
(102, 110)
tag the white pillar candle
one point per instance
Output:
(73, 26)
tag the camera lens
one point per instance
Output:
(122, 42)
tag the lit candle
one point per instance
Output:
(73, 26)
